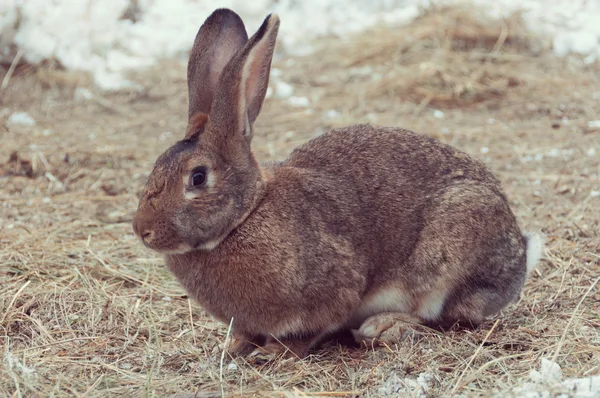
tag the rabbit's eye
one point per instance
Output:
(198, 177)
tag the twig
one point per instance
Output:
(13, 300)
(326, 393)
(192, 322)
(490, 363)
(107, 105)
(458, 385)
(223, 358)
(501, 39)
(11, 70)
(60, 342)
(93, 386)
(564, 335)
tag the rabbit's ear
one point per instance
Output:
(221, 36)
(244, 82)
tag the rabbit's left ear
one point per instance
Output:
(220, 37)
(244, 83)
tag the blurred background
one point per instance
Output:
(107, 38)
(91, 92)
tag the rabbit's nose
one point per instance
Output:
(143, 228)
(147, 236)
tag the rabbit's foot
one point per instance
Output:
(289, 348)
(242, 345)
(385, 328)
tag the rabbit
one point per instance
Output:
(361, 229)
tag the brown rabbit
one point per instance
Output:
(362, 228)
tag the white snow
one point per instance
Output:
(14, 365)
(548, 382)
(301, 102)
(232, 366)
(91, 35)
(571, 24)
(396, 386)
(332, 114)
(282, 89)
(165, 136)
(82, 94)
(20, 119)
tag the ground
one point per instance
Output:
(86, 310)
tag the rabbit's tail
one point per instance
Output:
(535, 249)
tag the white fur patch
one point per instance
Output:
(390, 299)
(210, 245)
(432, 305)
(535, 250)
(189, 195)
(210, 179)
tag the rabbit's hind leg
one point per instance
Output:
(468, 307)
(470, 260)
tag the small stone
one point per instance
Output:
(232, 366)
(594, 124)
(299, 101)
(283, 90)
(20, 119)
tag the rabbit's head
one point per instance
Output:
(205, 185)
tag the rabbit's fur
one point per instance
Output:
(357, 222)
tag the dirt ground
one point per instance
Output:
(85, 310)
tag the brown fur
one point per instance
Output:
(291, 251)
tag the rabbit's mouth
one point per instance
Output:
(182, 248)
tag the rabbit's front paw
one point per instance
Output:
(241, 345)
(386, 328)
(290, 348)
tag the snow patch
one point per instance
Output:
(20, 119)
(301, 102)
(395, 386)
(94, 36)
(283, 89)
(548, 382)
(13, 364)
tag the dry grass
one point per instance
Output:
(86, 311)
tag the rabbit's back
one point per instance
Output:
(377, 156)
(392, 175)
(432, 218)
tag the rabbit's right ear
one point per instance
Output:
(220, 37)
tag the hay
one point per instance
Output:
(86, 311)
(449, 58)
